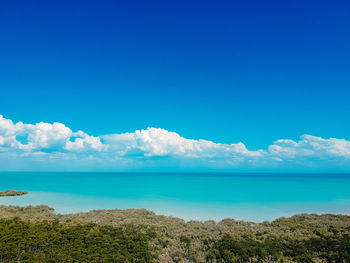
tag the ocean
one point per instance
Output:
(191, 196)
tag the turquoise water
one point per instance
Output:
(254, 197)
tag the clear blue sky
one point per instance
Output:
(225, 71)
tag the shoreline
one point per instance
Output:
(66, 203)
(8, 211)
(188, 196)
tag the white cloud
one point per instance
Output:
(45, 141)
(160, 142)
(311, 146)
(48, 136)
(45, 136)
(83, 142)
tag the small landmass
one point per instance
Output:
(12, 193)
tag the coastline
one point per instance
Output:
(191, 197)
(37, 213)
(64, 203)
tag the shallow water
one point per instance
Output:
(254, 197)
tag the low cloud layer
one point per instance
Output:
(55, 146)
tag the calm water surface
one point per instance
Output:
(254, 197)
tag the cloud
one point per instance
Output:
(311, 147)
(55, 144)
(160, 142)
(45, 137)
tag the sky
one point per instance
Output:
(232, 77)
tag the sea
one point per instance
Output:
(252, 197)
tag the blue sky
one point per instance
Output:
(224, 71)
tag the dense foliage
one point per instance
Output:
(52, 242)
(138, 235)
(333, 248)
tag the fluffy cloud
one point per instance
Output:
(160, 142)
(42, 136)
(311, 146)
(45, 142)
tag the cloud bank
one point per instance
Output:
(55, 146)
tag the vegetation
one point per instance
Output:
(12, 193)
(37, 234)
(52, 242)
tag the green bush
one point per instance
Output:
(52, 242)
